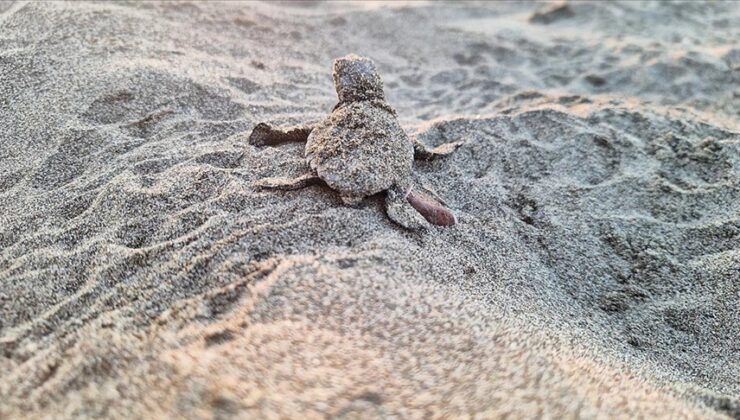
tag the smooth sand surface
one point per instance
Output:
(594, 272)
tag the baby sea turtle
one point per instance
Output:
(360, 150)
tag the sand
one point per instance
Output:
(594, 272)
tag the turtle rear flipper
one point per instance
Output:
(288, 184)
(420, 185)
(264, 134)
(400, 211)
(433, 211)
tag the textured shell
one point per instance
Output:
(360, 149)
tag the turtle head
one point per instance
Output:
(356, 79)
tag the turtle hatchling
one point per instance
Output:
(360, 150)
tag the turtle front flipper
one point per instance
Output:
(400, 211)
(422, 152)
(288, 184)
(264, 134)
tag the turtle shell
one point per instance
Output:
(360, 149)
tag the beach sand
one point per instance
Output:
(594, 271)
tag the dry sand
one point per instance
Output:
(594, 273)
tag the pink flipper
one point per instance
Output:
(431, 209)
